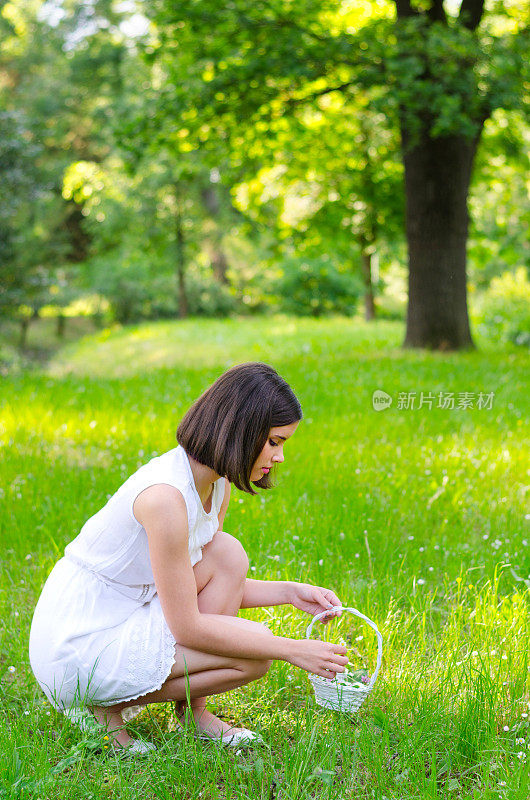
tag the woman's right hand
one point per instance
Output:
(318, 658)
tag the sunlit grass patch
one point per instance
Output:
(418, 517)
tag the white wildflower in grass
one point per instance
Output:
(410, 538)
(493, 652)
(296, 538)
(28, 557)
(519, 741)
(504, 657)
(420, 581)
(501, 783)
(321, 562)
(524, 715)
(422, 549)
(474, 653)
(486, 537)
(496, 544)
(436, 546)
(11, 669)
(341, 535)
(431, 569)
(506, 728)
(253, 569)
(521, 755)
(356, 555)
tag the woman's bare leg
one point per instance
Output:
(209, 675)
(221, 594)
(220, 578)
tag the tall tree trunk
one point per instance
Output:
(24, 327)
(182, 297)
(369, 305)
(61, 324)
(25, 322)
(437, 176)
(219, 263)
(211, 202)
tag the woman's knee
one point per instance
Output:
(229, 553)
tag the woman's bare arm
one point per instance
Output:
(161, 510)
(257, 594)
(224, 504)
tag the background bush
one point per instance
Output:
(503, 310)
(314, 287)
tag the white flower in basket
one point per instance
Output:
(345, 692)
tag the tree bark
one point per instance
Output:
(369, 305)
(211, 202)
(437, 176)
(219, 264)
(182, 297)
(61, 324)
(24, 327)
(25, 322)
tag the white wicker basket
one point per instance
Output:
(335, 693)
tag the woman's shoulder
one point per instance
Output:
(160, 473)
(170, 463)
(167, 468)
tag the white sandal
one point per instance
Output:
(82, 718)
(135, 748)
(239, 738)
(87, 722)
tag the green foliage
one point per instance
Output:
(209, 298)
(251, 81)
(314, 287)
(141, 288)
(500, 199)
(31, 240)
(274, 125)
(503, 310)
(247, 67)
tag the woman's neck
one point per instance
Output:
(204, 479)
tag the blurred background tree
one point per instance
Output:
(159, 160)
(440, 71)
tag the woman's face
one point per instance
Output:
(272, 453)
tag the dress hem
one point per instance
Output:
(167, 661)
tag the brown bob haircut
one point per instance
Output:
(227, 427)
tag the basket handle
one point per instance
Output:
(368, 622)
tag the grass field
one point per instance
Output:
(415, 516)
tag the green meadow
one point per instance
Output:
(416, 516)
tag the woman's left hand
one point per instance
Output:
(313, 600)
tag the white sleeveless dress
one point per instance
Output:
(99, 635)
